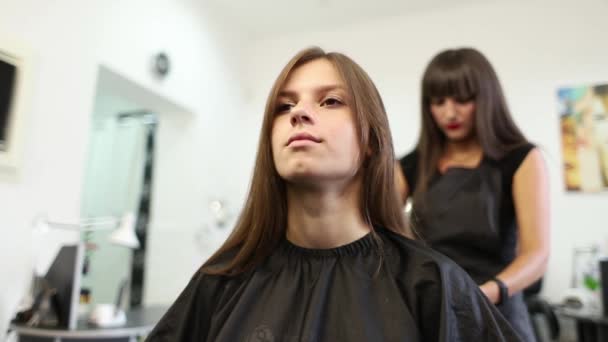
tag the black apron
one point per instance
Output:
(459, 216)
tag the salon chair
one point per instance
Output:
(538, 306)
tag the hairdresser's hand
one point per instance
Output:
(491, 290)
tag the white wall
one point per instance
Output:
(535, 46)
(69, 39)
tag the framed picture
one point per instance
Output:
(584, 129)
(15, 82)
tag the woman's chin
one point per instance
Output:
(302, 177)
(458, 137)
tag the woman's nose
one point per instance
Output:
(449, 109)
(302, 114)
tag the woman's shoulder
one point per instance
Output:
(213, 269)
(409, 166)
(406, 253)
(411, 247)
(514, 157)
(434, 286)
(410, 159)
(189, 317)
(518, 153)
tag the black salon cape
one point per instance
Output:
(406, 292)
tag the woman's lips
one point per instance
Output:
(453, 126)
(303, 138)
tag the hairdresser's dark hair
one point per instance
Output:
(464, 74)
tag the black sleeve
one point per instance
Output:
(409, 166)
(515, 157)
(189, 318)
(512, 161)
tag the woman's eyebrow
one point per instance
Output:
(320, 89)
(327, 88)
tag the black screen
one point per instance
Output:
(7, 88)
(61, 276)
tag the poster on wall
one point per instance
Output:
(583, 114)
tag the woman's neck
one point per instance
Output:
(462, 148)
(468, 154)
(322, 218)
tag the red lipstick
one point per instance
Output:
(453, 126)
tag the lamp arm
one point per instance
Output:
(85, 225)
(100, 221)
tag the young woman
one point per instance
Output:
(319, 252)
(479, 188)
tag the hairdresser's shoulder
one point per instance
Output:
(409, 166)
(410, 158)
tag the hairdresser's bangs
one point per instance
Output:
(449, 80)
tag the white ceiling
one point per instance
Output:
(259, 18)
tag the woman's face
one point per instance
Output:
(455, 117)
(314, 137)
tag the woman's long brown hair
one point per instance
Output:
(464, 74)
(262, 223)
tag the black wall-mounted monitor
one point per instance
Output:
(8, 78)
(64, 277)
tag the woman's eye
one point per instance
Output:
(283, 107)
(437, 101)
(332, 102)
(464, 100)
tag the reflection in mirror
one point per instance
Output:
(117, 181)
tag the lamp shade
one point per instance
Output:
(41, 225)
(125, 234)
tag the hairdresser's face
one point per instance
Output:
(314, 137)
(455, 117)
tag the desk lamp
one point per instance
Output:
(103, 315)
